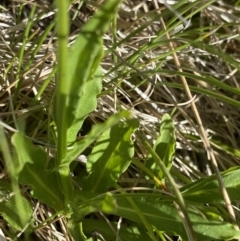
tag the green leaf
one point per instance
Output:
(83, 66)
(125, 233)
(108, 204)
(31, 171)
(211, 212)
(5, 190)
(10, 213)
(164, 146)
(110, 156)
(207, 190)
(76, 231)
(162, 215)
(171, 222)
(8, 208)
(79, 83)
(79, 146)
(86, 103)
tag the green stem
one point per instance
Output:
(62, 93)
(62, 85)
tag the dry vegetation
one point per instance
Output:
(140, 74)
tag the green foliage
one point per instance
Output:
(115, 147)
(112, 147)
(112, 155)
(14, 208)
(164, 217)
(164, 147)
(161, 214)
(78, 84)
(85, 102)
(126, 233)
(206, 190)
(79, 146)
(31, 170)
(8, 208)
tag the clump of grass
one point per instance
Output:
(95, 120)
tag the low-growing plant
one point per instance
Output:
(79, 178)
